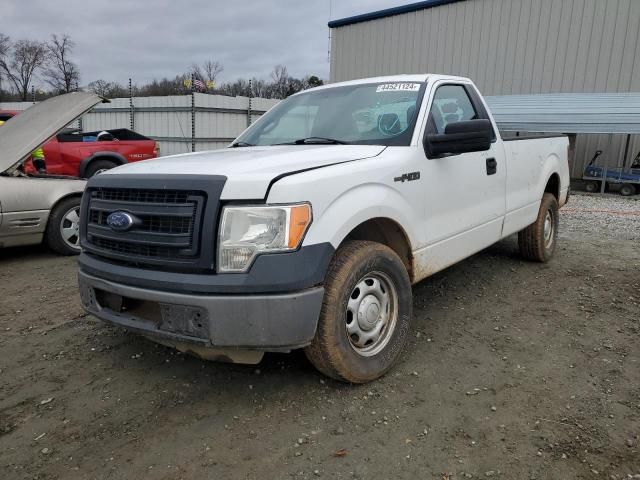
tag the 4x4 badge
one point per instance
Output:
(408, 177)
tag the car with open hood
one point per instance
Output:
(37, 207)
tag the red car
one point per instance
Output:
(83, 154)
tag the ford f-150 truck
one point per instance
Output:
(83, 154)
(309, 230)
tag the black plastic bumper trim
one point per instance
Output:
(270, 273)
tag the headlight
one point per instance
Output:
(246, 232)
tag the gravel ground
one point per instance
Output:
(604, 216)
(514, 370)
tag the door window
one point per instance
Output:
(451, 104)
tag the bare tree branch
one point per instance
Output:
(107, 89)
(5, 46)
(20, 64)
(207, 72)
(212, 69)
(59, 71)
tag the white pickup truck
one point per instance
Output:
(309, 230)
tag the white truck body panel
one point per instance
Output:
(366, 178)
(252, 169)
(454, 211)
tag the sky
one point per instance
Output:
(147, 39)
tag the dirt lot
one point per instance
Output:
(514, 370)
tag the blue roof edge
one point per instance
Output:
(388, 12)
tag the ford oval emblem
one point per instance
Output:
(120, 221)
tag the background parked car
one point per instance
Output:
(34, 208)
(83, 154)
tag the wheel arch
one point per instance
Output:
(388, 232)
(59, 201)
(553, 185)
(114, 157)
(359, 214)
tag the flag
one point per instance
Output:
(199, 85)
(187, 83)
(210, 85)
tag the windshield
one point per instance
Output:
(373, 113)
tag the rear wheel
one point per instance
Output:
(592, 187)
(99, 166)
(366, 313)
(538, 241)
(627, 189)
(63, 229)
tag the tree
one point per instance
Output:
(5, 46)
(59, 71)
(107, 89)
(207, 72)
(212, 69)
(313, 81)
(281, 81)
(21, 63)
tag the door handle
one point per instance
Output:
(492, 166)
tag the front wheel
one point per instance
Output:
(366, 313)
(63, 230)
(538, 241)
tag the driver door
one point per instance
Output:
(465, 193)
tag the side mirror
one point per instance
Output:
(460, 137)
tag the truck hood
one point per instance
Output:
(250, 170)
(25, 132)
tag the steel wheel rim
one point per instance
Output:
(70, 228)
(371, 314)
(548, 229)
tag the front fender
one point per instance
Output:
(357, 205)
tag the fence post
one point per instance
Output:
(626, 152)
(606, 163)
(193, 115)
(132, 118)
(33, 94)
(249, 109)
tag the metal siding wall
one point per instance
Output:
(507, 47)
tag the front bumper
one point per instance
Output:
(267, 322)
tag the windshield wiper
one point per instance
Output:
(242, 144)
(315, 140)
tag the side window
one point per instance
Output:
(450, 104)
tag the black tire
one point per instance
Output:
(58, 220)
(592, 187)
(627, 189)
(536, 242)
(98, 166)
(333, 350)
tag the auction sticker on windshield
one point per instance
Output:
(398, 87)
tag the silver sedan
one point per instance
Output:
(34, 208)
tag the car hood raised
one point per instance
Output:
(25, 132)
(250, 170)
